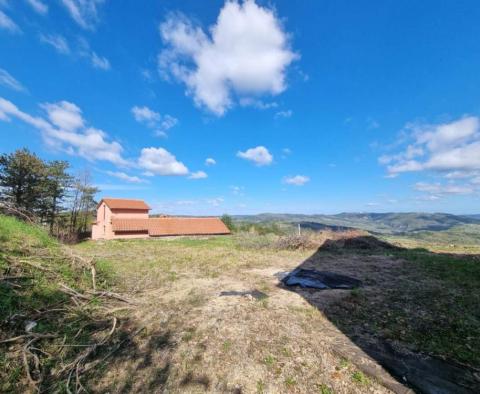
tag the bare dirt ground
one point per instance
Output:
(216, 318)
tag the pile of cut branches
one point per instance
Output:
(56, 322)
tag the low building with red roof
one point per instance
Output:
(119, 218)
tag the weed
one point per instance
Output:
(344, 363)
(286, 352)
(360, 378)
(189, 335)
(227, 345)
(261, 386)
(269, 360)
(324, 389)
(290, 381)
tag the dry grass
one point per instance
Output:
(270, 339)
(197, 340)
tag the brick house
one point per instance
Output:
(121, 218)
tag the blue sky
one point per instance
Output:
(247, 107)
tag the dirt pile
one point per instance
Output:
(363, 243)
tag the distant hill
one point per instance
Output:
(473, 216)
(384, 223)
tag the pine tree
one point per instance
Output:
(21, 177)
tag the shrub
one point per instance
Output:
(295, 242)
(228, 221)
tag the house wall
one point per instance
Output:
(129, 214)
(97, 231)
(102, 229)
(130, 234)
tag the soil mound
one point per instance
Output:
(365, 243)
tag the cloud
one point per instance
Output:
(244, 54)
(84, 12)
(445, 147)
(8, 24)
(7, 80)
(185, 202)
(66, 130)
(56, 41)
(297, 180)
(259, 155)
(125, 177)
(38, 6)
(255, 103)
(100, 62)
(61, 45)
(461, 174)
(284, 114)
(121, 188)
(217, 201)
(237, 190)
(210, 162)
(438, 189)
(428, 197)
(97, 61)
(153, 120)
(64, 115)
(161, 162)
(198, 175)
(145, 115)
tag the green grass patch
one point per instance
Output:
(432, 306)
(40, 266)
(18, 233)
(360, 378)
(269, 360)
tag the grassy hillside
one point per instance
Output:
(383, 223)
(458, 239)
(51, 320)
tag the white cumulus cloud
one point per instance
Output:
(259, 155)
(125, 177)
(244, 54)
(64, 115)
(445, 147)
(198, 175)
(297, 180)
(161, 162)
(210, 161)
(66, 130)
(438, 189)
(161, 124)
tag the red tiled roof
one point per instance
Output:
(172, 226)
(121, 203)
(130, 224)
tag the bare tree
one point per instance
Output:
(82, 203)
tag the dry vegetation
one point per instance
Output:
(260, 338)
(210, 315)
(57, 324)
